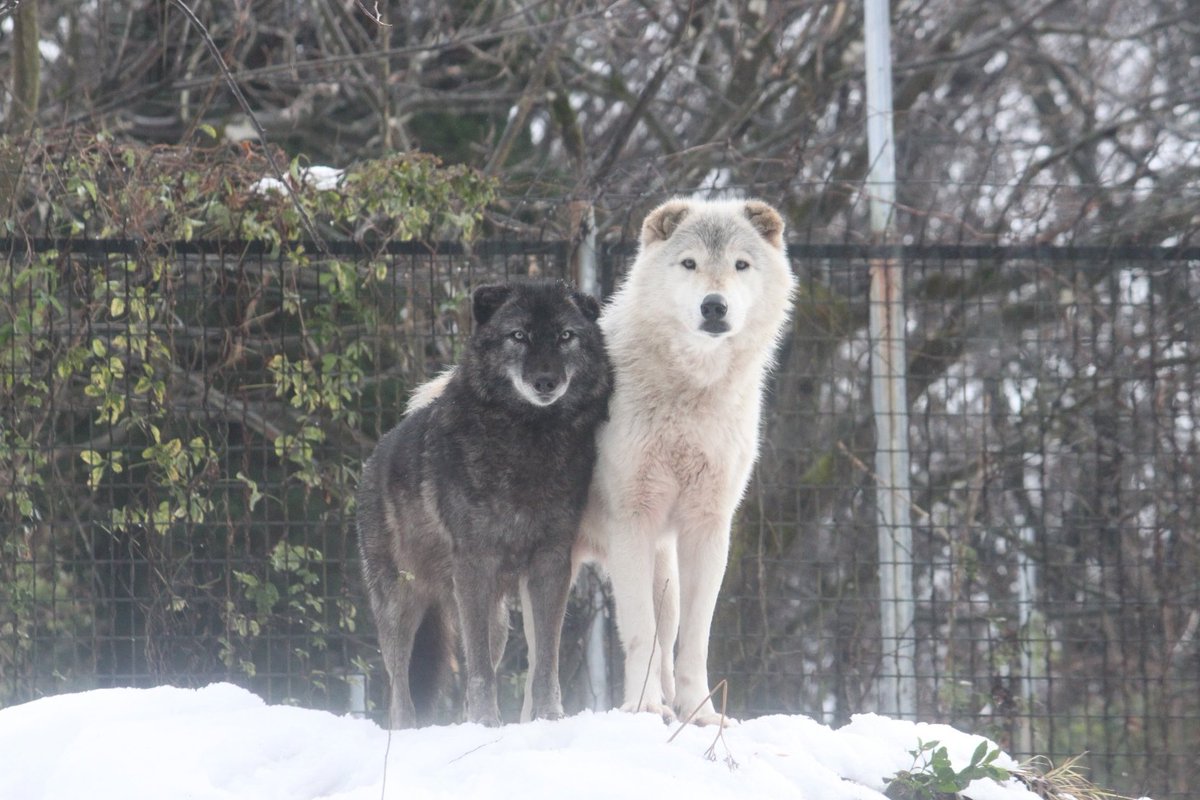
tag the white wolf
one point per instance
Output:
(692, 335)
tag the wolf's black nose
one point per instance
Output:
(713, 307)
(545, 383)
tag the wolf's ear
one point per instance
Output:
(587, 304)
(663, 221)
(766, 221)
(486, 300)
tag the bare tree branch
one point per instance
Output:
(309, 228)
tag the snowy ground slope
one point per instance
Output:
(224, 742)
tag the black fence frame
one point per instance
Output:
(1056, 523)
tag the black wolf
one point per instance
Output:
(480, 493)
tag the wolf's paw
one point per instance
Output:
(487, 720)
(654, 708)
(705, 715)
(706, 718)
(555, 712)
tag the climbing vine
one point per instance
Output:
(137, 376)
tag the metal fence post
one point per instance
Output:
(897, 685)
(583, 270)
(583, 248)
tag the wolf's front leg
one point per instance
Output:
(530, 648)
(631, 571)
(546, 589)
(703, 551)
(666, 613)
(476, 590)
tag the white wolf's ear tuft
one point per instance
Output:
(487, 300)
(766, 221)
(662, 221)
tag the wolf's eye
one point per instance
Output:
(689, 263)
(519, 336)
(741, 265)
(565, 336)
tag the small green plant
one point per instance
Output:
(933, 777)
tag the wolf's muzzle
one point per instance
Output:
(544, 383)
(541, 388)
(712, 311)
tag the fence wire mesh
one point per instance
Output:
(183, 430)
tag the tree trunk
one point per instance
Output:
(26, 66)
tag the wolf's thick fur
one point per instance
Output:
(480, 490)
(692, 335)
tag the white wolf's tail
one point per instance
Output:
(429, 391)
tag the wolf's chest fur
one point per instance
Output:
(520, 483)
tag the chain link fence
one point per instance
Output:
(183, 430)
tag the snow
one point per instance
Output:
(224, 743)
(321, 178)
(49, 50)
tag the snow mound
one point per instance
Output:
(224, 743)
